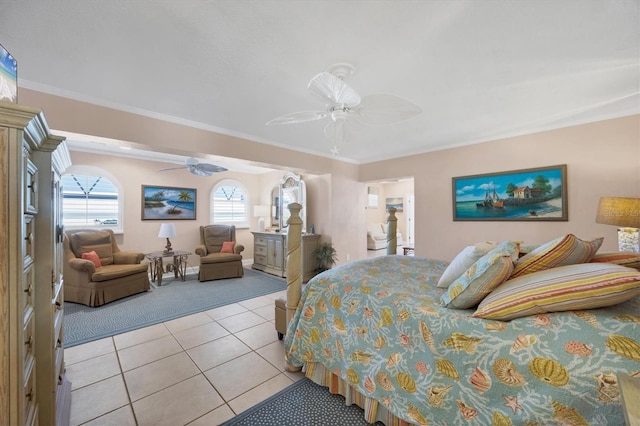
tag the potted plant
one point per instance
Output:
(326, 256)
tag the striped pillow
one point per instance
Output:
(567, 250)
(566, 288)
(624, 258)
(484, 275)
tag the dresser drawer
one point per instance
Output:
(30, 407)
(59, 371)
(30, 187)
(58, 321)
(28, 248)
(260, 259)
(260, 242)
(29, 339)
(28, 284)
(260, 250)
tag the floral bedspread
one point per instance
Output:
(377, 323)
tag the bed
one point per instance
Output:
(377, 332)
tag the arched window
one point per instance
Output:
(91, 197)
(229, 204)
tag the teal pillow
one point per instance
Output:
(491, 270)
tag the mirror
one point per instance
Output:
(292, 190)
(275, 207)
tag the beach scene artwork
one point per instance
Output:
(395, 202)
(8, 76)
(533, 194)
(164, 202)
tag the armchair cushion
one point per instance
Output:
(112, 272)
(98, 241)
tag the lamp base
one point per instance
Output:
(167, 248)
(629, 239)
(261, 224)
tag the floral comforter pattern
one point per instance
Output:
(377, 323)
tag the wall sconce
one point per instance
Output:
(167, 230)
(261, 212)
(624, 213)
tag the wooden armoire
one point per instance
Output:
(33, 387)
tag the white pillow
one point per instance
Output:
(463, 261)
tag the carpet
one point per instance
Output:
(303, 403)
(173, 299)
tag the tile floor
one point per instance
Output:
(201, 369)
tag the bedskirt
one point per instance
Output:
(373, 410)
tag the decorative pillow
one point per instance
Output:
(565, 288)
(92, 256)
(624, 258)
(463, 261)
(487, 273)
(227, 247)
(567, 250)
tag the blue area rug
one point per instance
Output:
(302, 403)
(172, 300)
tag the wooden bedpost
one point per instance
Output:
(392, 233)
(294, 267)
(294, 262)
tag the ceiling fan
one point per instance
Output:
(197, 168)
(344, 105)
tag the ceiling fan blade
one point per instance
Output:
(173, 168)
(298, 117)
(333, 89)
(196, 170)
(210, 168)
(386, 109)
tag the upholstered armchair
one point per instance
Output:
(96, 271)
(220, 255)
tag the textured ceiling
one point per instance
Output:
(480, 70)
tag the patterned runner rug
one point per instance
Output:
(303, 403)
(172, 300)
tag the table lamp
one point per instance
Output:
(624, 213)
(261, 212)
(167, 230)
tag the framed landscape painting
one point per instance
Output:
(538, 194)
(166, 202)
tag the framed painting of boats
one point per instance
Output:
(538, 194)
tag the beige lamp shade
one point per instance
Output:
(619, 211)
(624, 213)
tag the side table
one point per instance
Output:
(179, 265)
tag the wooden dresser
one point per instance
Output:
(270, 254)
(33, 388)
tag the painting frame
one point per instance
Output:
(161, 202)
(533, 195)
(395, 202)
